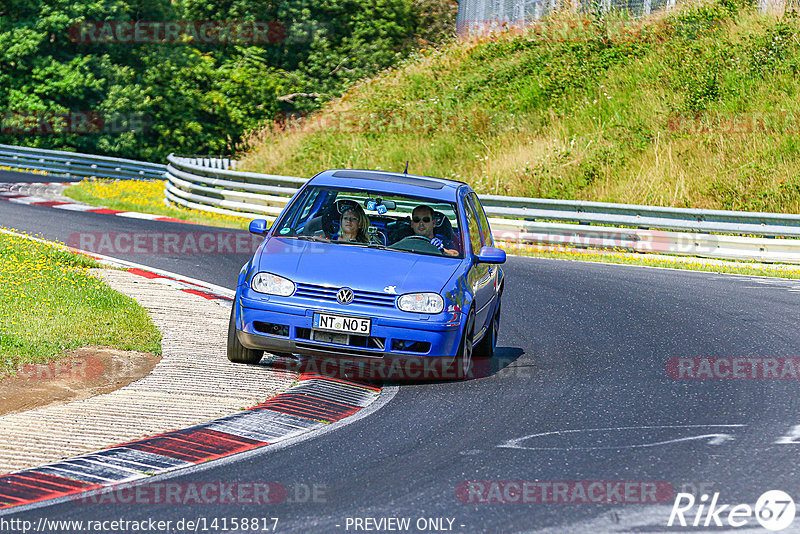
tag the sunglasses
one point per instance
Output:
(423, 219)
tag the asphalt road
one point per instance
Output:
(583, 347)
(15, 176)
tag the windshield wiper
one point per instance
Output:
(360, 244)
(356, 243)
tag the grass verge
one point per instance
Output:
(17, 169)
(51, 304)
(145, 197)
(696, 107)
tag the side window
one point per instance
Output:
(299, 212)
(310, 203)
(472, 226)
(488, 240)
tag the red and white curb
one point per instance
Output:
(199, 289)
(32, 200)
(317, 401)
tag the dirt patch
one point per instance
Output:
(81, 374)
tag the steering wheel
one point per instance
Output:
(416, 243)
(378, 238)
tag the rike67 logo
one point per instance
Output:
(774, 510)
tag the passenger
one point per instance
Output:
(423, 224)
(353, 225)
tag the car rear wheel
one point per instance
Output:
(462, 362)
(486, 347)
(237, 352)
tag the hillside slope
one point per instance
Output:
(698, 108)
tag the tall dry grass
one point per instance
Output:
(698, 107)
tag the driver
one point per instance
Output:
(423, 223)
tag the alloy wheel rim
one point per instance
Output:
(466, 361)
(496, 325)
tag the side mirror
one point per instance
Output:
(491, 255)
(258, 226)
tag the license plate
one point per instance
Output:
(330, 337)
(342, 323)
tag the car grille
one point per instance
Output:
(367, 342)
(340, 349)
(359, 297)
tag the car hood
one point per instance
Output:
(367, 269)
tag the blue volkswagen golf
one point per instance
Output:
(372, 265)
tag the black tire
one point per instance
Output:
(462, 362)
(237, 352)
(485, 349)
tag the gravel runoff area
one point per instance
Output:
(194, 382)
(53, 191)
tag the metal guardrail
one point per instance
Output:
(666, 218)
(69, 164)
(213, 185)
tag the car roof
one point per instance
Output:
(389, 182)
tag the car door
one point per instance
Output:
(479, 277)
(495, 271)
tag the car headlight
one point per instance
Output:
(421, 303)
(272, 284)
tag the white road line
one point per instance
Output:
(75, 207)
(137, 215)
(27, 200)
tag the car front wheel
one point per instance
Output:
(486, 347)
(462, 362)
(237, 352)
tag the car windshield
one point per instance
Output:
(374, 220)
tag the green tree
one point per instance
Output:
(191, 97)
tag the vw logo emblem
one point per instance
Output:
(344, 295)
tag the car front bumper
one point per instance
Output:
(274, 326)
